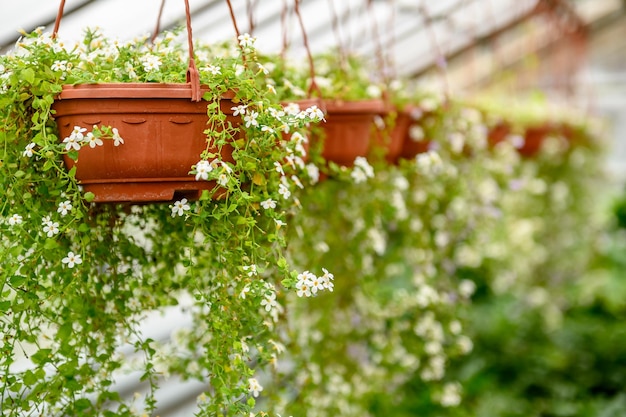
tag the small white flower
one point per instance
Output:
(361, 162)
(373, 91)
(73, 142)
(451, 395)
(64, 207)
(214, 69)
(327, 280)
(279, 223)
(292, 109)
(246, 40)
(117, 139)
(28, 151)
(304, 284)
(245, 290)
(416, 133)
(263, 69)
(93, 141)
(284, 191)
(467, 288)
(50, 228)
(72, 259)
(362, 170)
(315, 113)
(59, 66)
(313, 172)
(222, 179)
(296, 181)
(279, 168)
(316, 284)
(251, 269)
(203, 168)
(15, 219)
(268, 204)
(251, 119)
(269, 302)
(254, 387)
(77, 132)
(180, 207)
(237, 110)
(277, 114)
(151, 63)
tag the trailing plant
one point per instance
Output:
(78, 277)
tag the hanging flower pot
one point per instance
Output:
(498, 133)
(348, 129)
(390, 134)
(414, 134)
(163, 134)
(533, 138)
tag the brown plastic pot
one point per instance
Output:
(410, 147)
(533, 138)
(498, 133)
(348, 129)
(390, 139)
(163, 137)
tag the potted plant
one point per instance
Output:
(78, 276)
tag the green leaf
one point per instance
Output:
(30, 378)
(17, 280)
(41, 356)
(65, 331)
(82, 404)
(28, 75)
(50, 244)
(89, 196)
(5, 306)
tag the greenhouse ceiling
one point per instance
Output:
(409, 36)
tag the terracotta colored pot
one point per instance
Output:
(498, 133)
(348, 129)
(163, 137)
(533, 138)
(391, 138)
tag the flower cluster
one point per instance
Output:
(362, 170)
(309, 284)
(80, 137)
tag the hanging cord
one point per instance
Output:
(237, 33)
(341, 47)
(157, 28)
(391, 63)
(250, 6)
(193, 76)
(380, 58)
(283, 25)
(305, 40)
(440, 62)
(57, 22)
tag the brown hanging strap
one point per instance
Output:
(157, 28)
(193, 76)
(305, 40)
(57, 22)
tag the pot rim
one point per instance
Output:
(132, 90)
(367, 106)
